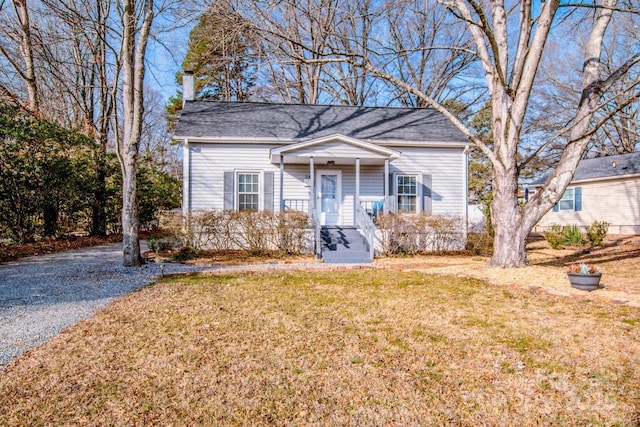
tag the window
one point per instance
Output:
(567, 203)
(571, 200)
(407, 191)
(248, 191)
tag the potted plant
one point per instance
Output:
(584, 276)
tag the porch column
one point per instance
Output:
(312, 187)
(386, 186)
(355, 208)
(281, 184)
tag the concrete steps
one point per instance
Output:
(344, 245)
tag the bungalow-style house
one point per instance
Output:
(602, 189)
(340, 164)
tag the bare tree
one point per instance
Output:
(16, 27)
(137, 18)
(295, 37)
(420, 53)
(509, 42)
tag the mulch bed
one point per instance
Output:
(17, 251)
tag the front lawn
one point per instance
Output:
(355, 347)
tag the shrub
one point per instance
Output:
(572, 235)
(256, 232)
(597, 232)
(412, 234)
(558, 235)
(159, 243)
(480, 243)
(554, 236)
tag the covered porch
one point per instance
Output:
(343, 176)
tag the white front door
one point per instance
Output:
(329, 196)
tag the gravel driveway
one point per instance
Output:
(40, 296)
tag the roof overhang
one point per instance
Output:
(589, 180)
(339, 149)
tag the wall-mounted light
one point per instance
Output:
(331, 163)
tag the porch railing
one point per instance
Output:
(376, 205)
(365, 223)
(301, 205)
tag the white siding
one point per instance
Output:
(616, 202)
(447, 168)
(210, 161)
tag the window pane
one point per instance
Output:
(568, 194)
(329, 189)
(566, 205)
(248, 202)
(407, 203)
(248, 191)
(407, 187)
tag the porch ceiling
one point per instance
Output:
(339, 149)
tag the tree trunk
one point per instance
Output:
(510, 239)
(130, 223)
(133, 71)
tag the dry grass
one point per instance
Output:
(356, 347)
(619, 259)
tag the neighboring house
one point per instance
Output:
(603, 189)
(340, 164)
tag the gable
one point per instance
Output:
(338, 148)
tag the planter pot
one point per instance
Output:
(585, 282)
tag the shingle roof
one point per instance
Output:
(300, 122)
(603, 167)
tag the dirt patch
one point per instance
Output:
(14, 252)
(212, 258)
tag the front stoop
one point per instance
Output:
(344, 245)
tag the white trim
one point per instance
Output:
(586, 181)
(573, 200)
(357, 195)
(288, 141)
(319, 173)
(236, 183)
(281, 151)
(418, 195)
(186, 177)
(234, 140)
(465, 198)
(423, 144)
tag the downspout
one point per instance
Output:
(465, 159)
(186, 187)
(186, 177)
(281, 183)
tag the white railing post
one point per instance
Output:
(366, 224)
